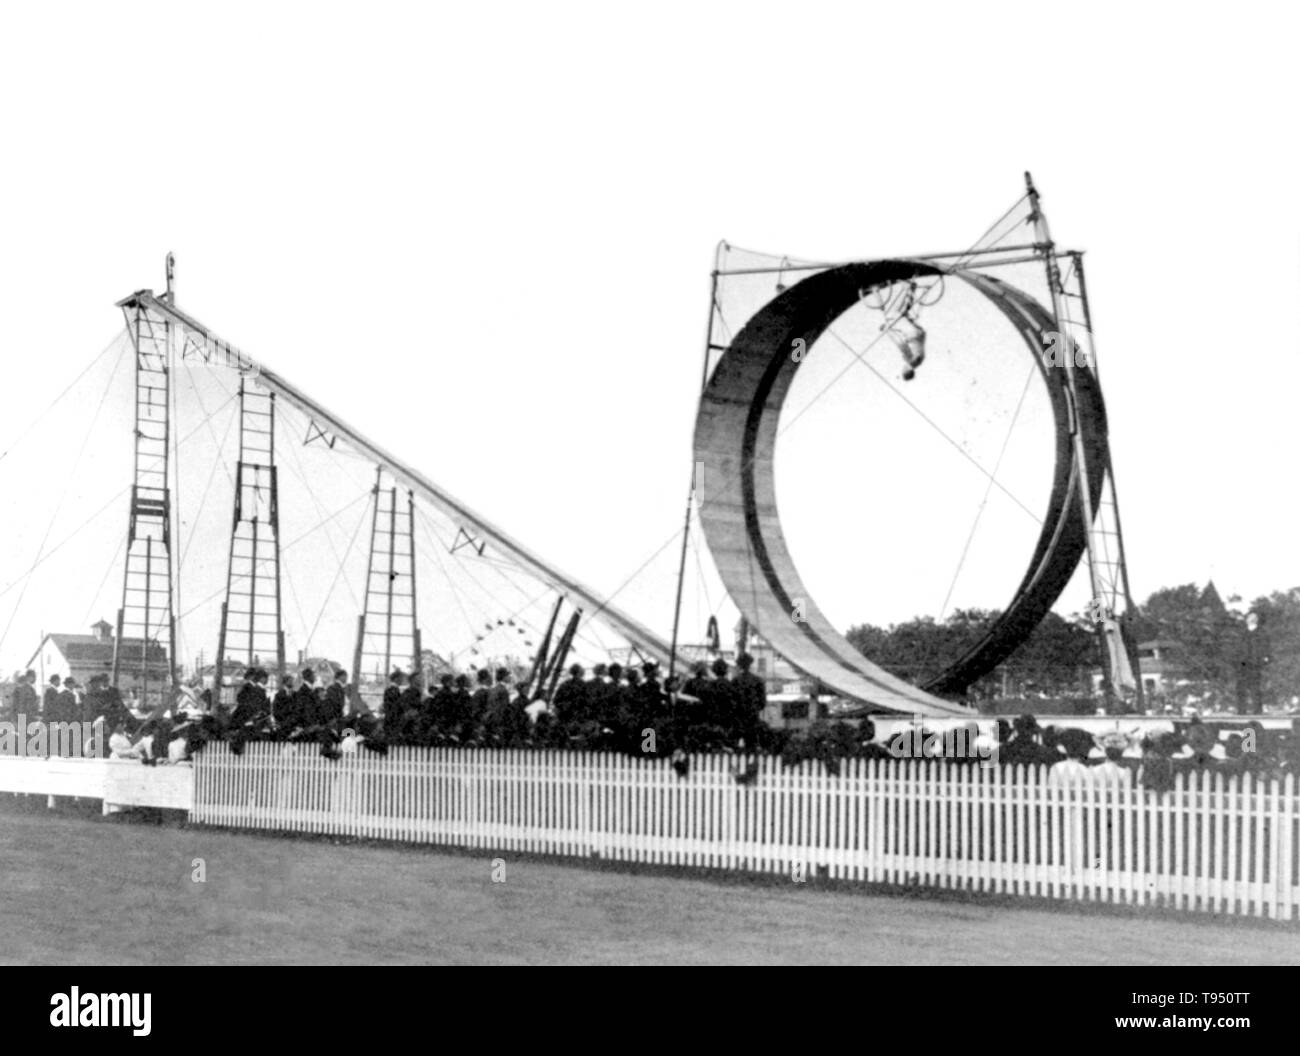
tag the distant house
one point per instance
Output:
(324, 668)
(82, 656)
(1163, 666)
(231, 671)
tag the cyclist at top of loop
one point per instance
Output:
(907, 333)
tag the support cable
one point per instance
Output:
(339, 571)
(94, 602)
(71, 385)
(988, 488)
(67, 485)
(203, 499)
(287, 546)
(79, 529)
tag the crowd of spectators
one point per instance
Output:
(1151, 760)
(614, 708)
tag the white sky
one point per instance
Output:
(483, 235)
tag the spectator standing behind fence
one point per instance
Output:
(612, 704)
(720, 698)
(92, 700)
(651, 710)
(402, 720)
(1157, 770)
(479, 703)
(571, 697)
(751, 696)
(393, 696)
(436, 711)
(1073, 769)
(496, 716)
(597, 688)
(1112, 773)
(696, 688)
(50, 704)
(26, 701)
(460, 723)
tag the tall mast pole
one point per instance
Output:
(690, 494)
(174, 527)
(1047, 248)
(1138, 687)
(147, 576)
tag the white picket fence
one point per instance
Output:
(1209, 844)
(120, 784)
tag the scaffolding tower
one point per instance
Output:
(144, 655)
(251, 630)
(388, 632)
(1111, 603)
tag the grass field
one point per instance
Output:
(83, 890)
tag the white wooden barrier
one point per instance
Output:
(1209, 844)
(117, 783)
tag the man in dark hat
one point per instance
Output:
(1023, 748)
(336, 699)
(284, 707)
(392, 698)
(611, 708)
(651, 676)
(26, 701)
(460, 720)
(114, 708)
(479, 702)
(409, 705)
(651, 710)
(67, 709)
(629, 709)
(306, 706)
(516, 723)
(497, 712)
(243, 698)
(571, 697)
(250, 708)
(92, 701)
(751, 699)
(258, 704)
(597, 687)
(51, 707)
(720, 701)
(1157, 770)
(696, 686)
(261, 699)
(437, 716)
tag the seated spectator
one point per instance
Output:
(536, 708)
(1233, 762)
(120, 746)
(178, 744)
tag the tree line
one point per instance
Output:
(1234, 651)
